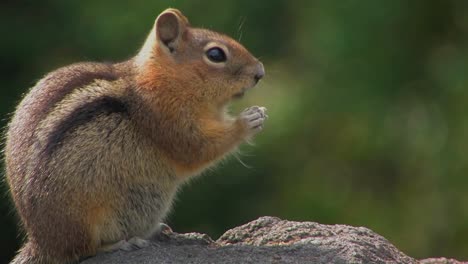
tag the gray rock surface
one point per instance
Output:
(269, 240)
(441, 261)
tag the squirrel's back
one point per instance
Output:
(41, 100)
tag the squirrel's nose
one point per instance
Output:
(260, 72)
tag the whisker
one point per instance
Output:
(239, 29)
(237, 156)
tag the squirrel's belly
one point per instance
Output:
(142, 210)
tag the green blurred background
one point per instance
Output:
(367, 102)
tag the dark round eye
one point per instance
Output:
(216, 55)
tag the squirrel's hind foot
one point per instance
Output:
(126, 245)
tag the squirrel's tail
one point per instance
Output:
(29, 254)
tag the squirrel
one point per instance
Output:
(95, 152)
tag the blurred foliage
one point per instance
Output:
(367, 102)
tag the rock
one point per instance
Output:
(269, 240)
(441, 261)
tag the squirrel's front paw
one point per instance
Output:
(253, 117)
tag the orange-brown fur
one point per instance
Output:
(95, 152)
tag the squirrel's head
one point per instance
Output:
(195, 63)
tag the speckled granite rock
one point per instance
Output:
(441, 261)
(269, 240)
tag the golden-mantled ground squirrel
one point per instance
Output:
(95, 152)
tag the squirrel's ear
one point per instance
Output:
(170, 26)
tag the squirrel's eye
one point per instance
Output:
(216, 55)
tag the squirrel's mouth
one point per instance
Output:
(240, 94)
